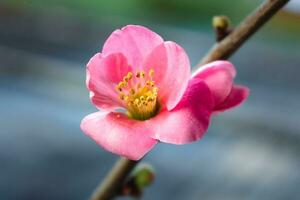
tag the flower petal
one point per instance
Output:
(171, 72)
(189, 120)
(219, 77)
(134, 42)
(118, 134)
(103, 74)
(237, 95)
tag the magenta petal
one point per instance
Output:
(118, 134)
(237, 95)
(103, 74)
(189, 120)
(172, 71)
(135, 42)
(219, 77)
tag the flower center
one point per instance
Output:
(139, 94)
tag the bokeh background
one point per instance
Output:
(250, 153)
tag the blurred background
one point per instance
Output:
(250, 153)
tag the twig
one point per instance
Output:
(118, 174)
(250, 25)
(114, 181)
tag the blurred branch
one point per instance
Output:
(113, 182)
(225, 48)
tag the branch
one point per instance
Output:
(248, 27)
(115, 179)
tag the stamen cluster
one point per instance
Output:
(139, 94)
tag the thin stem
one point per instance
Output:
(114, 180)
(248, 27)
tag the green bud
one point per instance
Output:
(143, 176)
(220, 22)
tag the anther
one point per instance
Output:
(149, 99)
(132, 91)
(129, 75)
(121, 84)
(151, 73)
(138, 75)
(137, 102)
(122, 96)
(125, 79)
(118, 88)
(126, 98)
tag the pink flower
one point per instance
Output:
(149, 79)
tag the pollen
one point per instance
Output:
(139, 94)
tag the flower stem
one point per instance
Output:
(114, 180)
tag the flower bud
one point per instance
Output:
(221, 22)
(143, 175)
(221, 26)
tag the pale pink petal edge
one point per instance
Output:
(118, 134)
(237, 96)
(134, 41)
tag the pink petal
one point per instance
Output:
(219, 77)
(135, 42)
(171, 72)
(103, 74)
(189, 120)
(237, 95)
(118, 134)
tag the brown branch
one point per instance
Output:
(250, 25)
(115, 179)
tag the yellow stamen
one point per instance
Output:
(129, 75)
(125, 79)
(138, 75)
(139, 96)
(132, 91)
(151, 73)
(122, 96)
